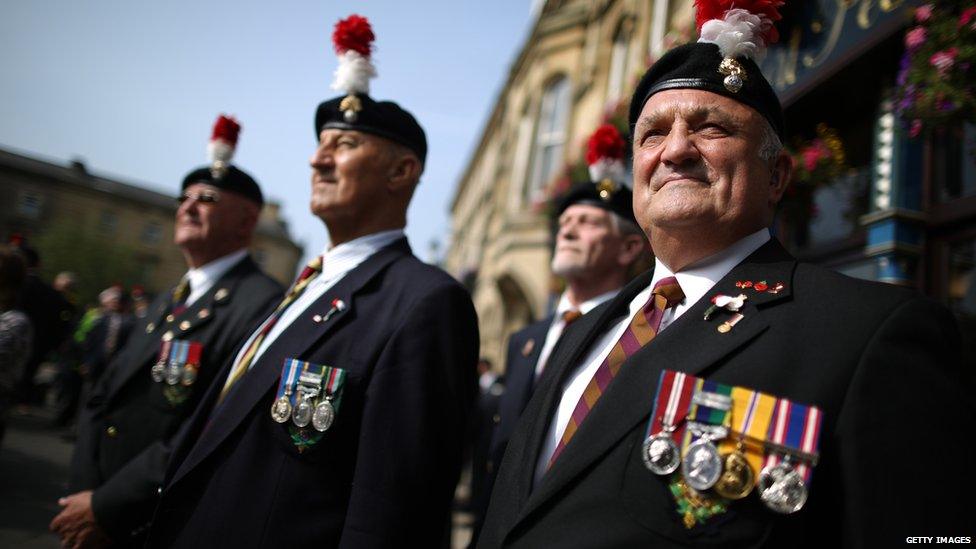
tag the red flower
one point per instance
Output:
(967, 15)
(226, 129)
(605, 142)
(706, 10)
(353, 33)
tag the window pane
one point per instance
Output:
(955, 165)
(550, 135)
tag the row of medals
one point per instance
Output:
(172, 372)
(320, 414)
(781, 488)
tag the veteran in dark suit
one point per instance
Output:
(596, 247)
(342, 420)
(173, 355)
(880, 363)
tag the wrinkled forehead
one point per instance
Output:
(693, 106)
(580, 211)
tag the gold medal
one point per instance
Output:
(737, 477)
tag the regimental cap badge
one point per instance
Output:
(604, 158)
(740, 29)
(223, 142)
(353, 42)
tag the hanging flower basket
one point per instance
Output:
(817, 163)
(937, 77)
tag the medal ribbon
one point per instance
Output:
(289, 369)
(336, 377)
(194, 349)
(164, 351)
(795, 426)
(178, 354)
(708, 415)
(671, 403)
(751, 414)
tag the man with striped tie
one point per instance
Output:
(158, 378)
(872, 370)
(598, 249)
(341, 421)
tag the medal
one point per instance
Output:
(189, 375)
(324, 415)
(701, 466)
(158, 369)
(782, 489)
(281, 408)
(660, 451)
(661, 454)
(192, 363)
(303, 412)
(174, 370)
(737, 478)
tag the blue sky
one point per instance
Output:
(132, 88)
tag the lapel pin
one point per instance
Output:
(726, 326)
(743, 284)
(221, 294)
(204, 313)
(777, 288)
(150, 327)
(527, 348)
(185, 325)
(761, 286)
(338, 305)
(727, 302)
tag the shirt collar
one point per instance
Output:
(336, 259)
(206, 275)
(698, 278)
(585, 307)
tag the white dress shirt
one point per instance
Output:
(558, 324)
(695, 281)
(336, 263)
(204, 277)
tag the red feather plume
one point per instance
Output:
(606, 142)
(226, 129)
(706, 10)
(353, 33)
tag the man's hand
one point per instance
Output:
(76, 523)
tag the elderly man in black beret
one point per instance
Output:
(155, 382)
(698, 407)
(341, 420)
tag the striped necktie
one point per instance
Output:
(642, 329)
(241, 367)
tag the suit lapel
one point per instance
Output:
(294, 342)
(691, 345)
(520, 380)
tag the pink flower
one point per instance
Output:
(944, 60)
(969, 14)
(915, 38)
(915, 129)
(923, 13)
(813, 154)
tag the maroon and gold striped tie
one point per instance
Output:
(642, 329)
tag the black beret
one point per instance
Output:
(614, 198)
(696, 66)
(232, 179)
(382, 118)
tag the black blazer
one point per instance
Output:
(882, 363)
(125, 427)
(384, 474)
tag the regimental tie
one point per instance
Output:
(180, 293)
(312, 270)
(642, 329)
(571, 316)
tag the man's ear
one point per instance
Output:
(631, 248)
(404, 172)
(780, 178)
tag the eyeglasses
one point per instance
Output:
(203, 197)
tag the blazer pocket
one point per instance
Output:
(306, 410)
(648, 499)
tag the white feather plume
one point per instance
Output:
(353, 73)
(221, 150)
(739, 33)
(608, 168)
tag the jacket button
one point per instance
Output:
(112, 431)
(159, 490)
(496, 418)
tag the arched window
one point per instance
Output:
(618, 64)
(550, 135)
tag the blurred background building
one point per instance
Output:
(109, 231)
(873, 197)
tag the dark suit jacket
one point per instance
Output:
(384, 474)
(96, 356)
(880, 361)
(125, 466)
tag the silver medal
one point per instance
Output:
(173, 373)
(702, 465)
(660, 453)
(782, 489)
(281, 409)
(324, 415)
(158, 371)
(302, 415)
